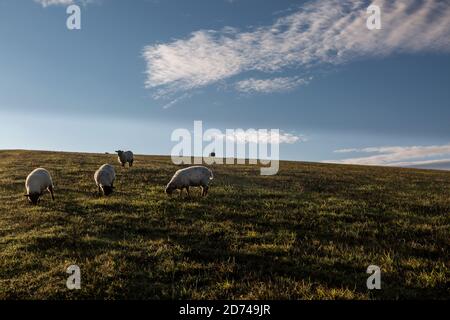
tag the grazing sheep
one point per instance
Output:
(197, 176)
(124, 157)
(38, 181)
(104, 178)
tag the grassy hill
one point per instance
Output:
(308, 233)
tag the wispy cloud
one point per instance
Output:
(441, 163)
(320, 32)
(46, 3)
(270, 85)
(177, 100)
(396, 156)
(253, 136)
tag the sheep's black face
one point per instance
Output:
(169, 190)
(34, 198)
(107, 190)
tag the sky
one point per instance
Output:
(138, 70)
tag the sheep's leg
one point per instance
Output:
(181, 192)
(187, 189)
(50, 189)
(205, 191)
(131, 163)
(99, 190)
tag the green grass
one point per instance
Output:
(308, 233)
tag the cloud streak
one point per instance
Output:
(320, 32)
(253, 136)
(396, 156)
(281, 84)
(177, 100)
(47, 3)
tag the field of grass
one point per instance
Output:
(308, 233)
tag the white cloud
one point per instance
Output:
(395, 156)
(255, 136)
(270, 85)
(421, 163)
(346, 150)
(46, 3)
(320, 32)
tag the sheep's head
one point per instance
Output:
(107, 190)
(33, 198)
(169, 189)
(119, 152)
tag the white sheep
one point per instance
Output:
(196, 176)
(38, 181)
(124, 157)
(104, 179)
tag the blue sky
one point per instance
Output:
(139, 69)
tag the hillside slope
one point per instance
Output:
(309, 232)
